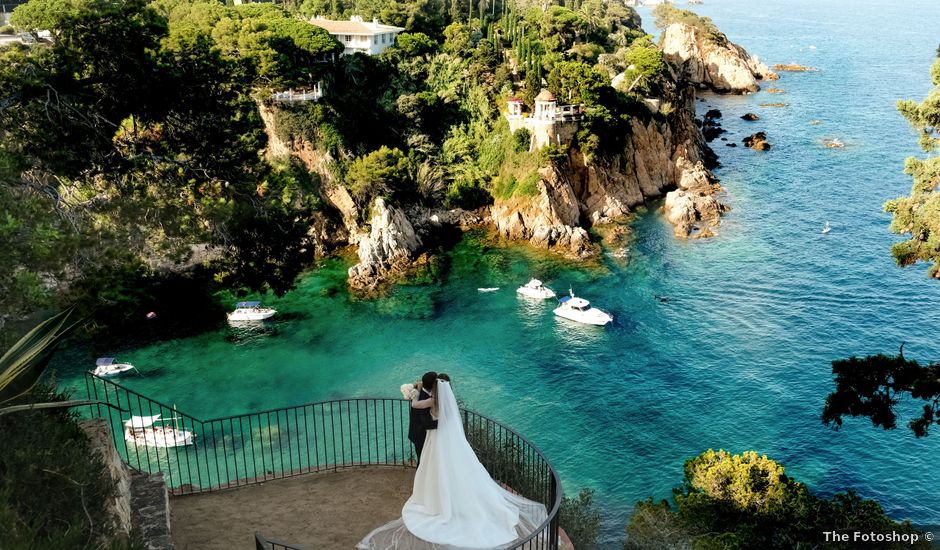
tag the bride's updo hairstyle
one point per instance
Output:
(443, 376)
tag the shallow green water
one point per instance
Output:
(738, 358)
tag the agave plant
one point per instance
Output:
(23, 364)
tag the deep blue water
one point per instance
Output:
(739, 358)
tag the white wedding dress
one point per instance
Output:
(455, 504)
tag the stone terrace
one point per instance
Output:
(320, 510)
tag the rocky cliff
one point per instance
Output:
(389, 248)
(337, 225)
(657, 155)
(710, 60)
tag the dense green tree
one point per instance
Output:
(457, 40)
(573, 81)
(277, 50)
(419, 16)
(747, 501)
(381, 173)
(139, 139)
(918, 215)
(873, 386)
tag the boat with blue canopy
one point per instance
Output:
(580, 310)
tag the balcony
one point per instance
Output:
(320, 475)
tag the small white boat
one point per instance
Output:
(250, 311)
(141, 430)
(488, 289)
(107, 367)
(535, 289)
(826, 228)
(580, 310)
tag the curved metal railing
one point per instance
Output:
(255, 447)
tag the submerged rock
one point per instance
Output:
(757, 141)
(793, 67)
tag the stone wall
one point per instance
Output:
(559, 133)
(99, 434)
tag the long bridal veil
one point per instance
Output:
(455, 504)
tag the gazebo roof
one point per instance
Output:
(515, 100)
(545, 95)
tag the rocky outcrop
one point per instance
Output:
(548, 220)
(711, 125)
(693, 208)
(750, 117)
(335, 226)
(713, 61)
(389, 249)
(657, 156)
(757, 141)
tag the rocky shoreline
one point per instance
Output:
(662, 157)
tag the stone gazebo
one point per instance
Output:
(549, 124)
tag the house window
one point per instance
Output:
(347, 38)
(383, 39)
(375, 39)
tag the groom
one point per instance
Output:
(419, 419)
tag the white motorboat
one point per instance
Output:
(535, 289)
(488, 289)
(141, 430)
(580, 310)
(106, 367)
(250, 311)
(826, 228)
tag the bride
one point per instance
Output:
(455, 504)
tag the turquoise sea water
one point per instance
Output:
(738, 358)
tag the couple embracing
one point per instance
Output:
(455, 504)
(423, 414)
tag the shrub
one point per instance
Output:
(7, 29)
(580, 519)
(53, 489)
(529, 186)
(747, 501)
(521, 140)
(504, 187)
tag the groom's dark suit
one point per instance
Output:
(419, 422)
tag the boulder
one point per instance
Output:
(757, 141)
(751, 117)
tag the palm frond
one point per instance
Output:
(23, 364)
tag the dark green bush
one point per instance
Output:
(580, 519)
(53, 488)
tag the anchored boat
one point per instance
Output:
(250, 311)
(141, 430)
(106, 367)
(535, 289)
(580, 310)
